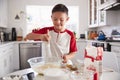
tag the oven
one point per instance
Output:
(106, 46)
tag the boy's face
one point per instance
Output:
(59, 19)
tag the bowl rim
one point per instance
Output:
(33, 58)
(40, 57)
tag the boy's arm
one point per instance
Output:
(66, 57)
(34, 36)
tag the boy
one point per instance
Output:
(62, 41)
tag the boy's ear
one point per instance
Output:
(51, 16)
(67, 18)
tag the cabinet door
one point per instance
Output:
(5, 64)
(7, 59)
(116, 49)
(102, 18)
(16, 65)
(93, 13)
(107, 17)
(3, 13)
(1, 66)
(11, 61)
(10, 58)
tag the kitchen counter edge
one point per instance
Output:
(12, 42)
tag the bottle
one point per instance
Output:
(2, 36)
(14, 35)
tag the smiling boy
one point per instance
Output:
(62, 41)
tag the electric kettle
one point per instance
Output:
(101, 35)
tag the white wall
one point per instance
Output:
(15, 6)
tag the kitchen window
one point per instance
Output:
(40, 16)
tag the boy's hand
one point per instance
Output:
(68, 56)
(64, 58)
(46, 37)
(25, 39)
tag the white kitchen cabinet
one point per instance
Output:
(107, 18)
(93, 13)
(16, 57)
(108, 4)
(6, 59)
(99, 17)
(11, 59)
(102, 4)
(4, 63)
(81, 44)
(1, 65)
(116, 49)
(3, 13)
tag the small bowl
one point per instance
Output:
(39, 64)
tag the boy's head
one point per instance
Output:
(59, 17)
(60, 8)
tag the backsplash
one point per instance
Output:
(108, 30)
(2, 29)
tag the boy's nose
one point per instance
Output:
(58, 22)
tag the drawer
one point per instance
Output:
(115, 49)
(119, 62)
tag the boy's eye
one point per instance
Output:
(58, 19)
(62, 20)
(55, 19)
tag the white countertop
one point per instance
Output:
(110, 76)
(105, 75)
(10, 42)
(78, 40)
(115, 43)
